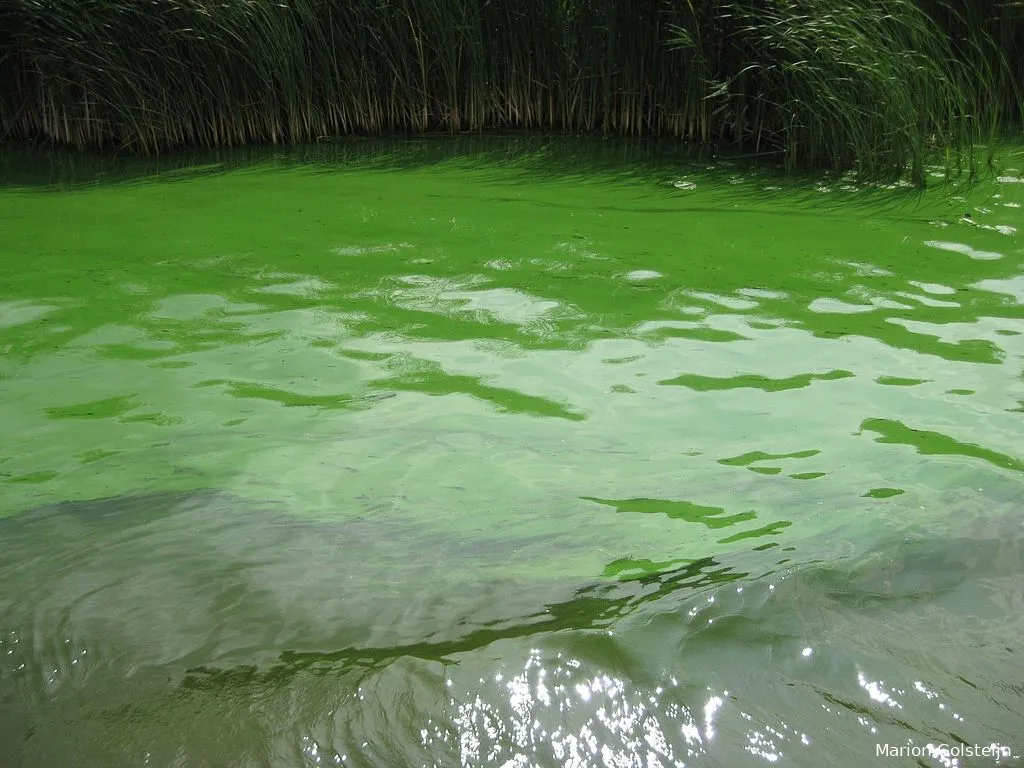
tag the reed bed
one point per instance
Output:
(871, 84)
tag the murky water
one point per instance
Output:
(521, 454)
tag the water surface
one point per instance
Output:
(510, 454)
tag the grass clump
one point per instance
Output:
(867, 83)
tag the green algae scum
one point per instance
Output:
(507, 453)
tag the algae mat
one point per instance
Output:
(505, 453)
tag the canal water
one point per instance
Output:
(507, 453)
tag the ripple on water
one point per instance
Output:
(642, 275)
(598, 478)
(965, 249)
(824, 656)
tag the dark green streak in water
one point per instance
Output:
(769, 530)
(895, 381)
(678, 510)
(749, 458)
(241, 389)
(97, 409)
(505, 400)
(710, 384)
(929, 443)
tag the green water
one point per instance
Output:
(505, 454)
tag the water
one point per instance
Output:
(520, 453)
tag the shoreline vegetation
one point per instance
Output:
(878, 86)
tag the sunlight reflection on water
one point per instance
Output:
(612, 722)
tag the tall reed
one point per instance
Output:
(866, 83)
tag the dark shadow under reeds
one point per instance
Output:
(873, 85)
